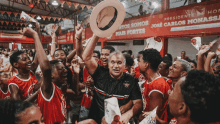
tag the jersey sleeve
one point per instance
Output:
(158, 86)
(11, 82)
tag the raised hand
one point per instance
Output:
(78, 31)
(28, 32)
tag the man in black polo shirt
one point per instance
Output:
(111, 82)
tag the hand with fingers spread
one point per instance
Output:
(78, 32)
(28, 32)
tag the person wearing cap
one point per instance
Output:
(110, 81)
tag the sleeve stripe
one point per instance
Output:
(12, 84)
(48, 100)
(155, 91)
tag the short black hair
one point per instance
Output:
(53, 63)
(153, 57)
(97, 52)
(14, 57)
(130, 52)
(58, 50)
(168, 63)
(201, 91)
(9, 109)
(170, 57)
(193, 62)
(129, 60)
(112, 49)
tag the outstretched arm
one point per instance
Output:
(53, 45)
(46, 86)
(78, 37)
(89, 61)
(35, 62)
(69, 58)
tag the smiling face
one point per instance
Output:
(24, 62)
(60, 55)
(104, 57)
(31, 115)
(59, 74)
(162, 69)
(175, 70)
(116, 66)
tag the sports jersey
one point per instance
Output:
(4, 95)
(138, 75)
(158, 85)
(53, 109)
(173, 121)
(87, 99)
(25, 86)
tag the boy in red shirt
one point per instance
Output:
(22, 85)
(155, 89)
(4, 77)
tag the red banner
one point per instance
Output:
(67, 38)
(197, 19)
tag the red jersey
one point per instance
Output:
(138, 75)
(87, 99)
(100, 62)
(25, 86)
(4, 95)
(158, 85)
(53, 109)
(173, 121)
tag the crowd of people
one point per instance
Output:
(58, 87)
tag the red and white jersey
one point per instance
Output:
(173, 121)
(25, 86)
(138, 75)
(4, 95)
(87, 99)
(158, 85)
(53, 109)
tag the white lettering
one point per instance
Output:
(136, 31)
(157, 25)
(175, 23)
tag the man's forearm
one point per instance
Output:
(137, 108)
(43, 60)
(87, 54)
(70, 56)
(79, 48)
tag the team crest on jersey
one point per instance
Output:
(126, 85)
(30, 90)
